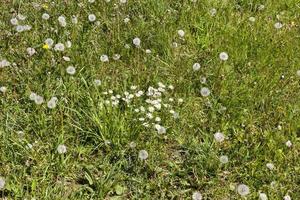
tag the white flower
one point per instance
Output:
(61, 149)
(160, 129)
(3, 89)
(49, 42)
(137, 42)
(14, 21)
(68, 44)
(30, 51)
(74, 20)
(52, 103)
(91, 1)
(20, 28)
(38, 99)
(104, 58)
(298, 72)
(243, 190)
(205, 92)
(223, 56)
(148, 51)
(263, 196)
(2, 183)
(196, 66)
(278, 25)
(116, 56)
(213, 12)
(45, 16)
(4, 63)
(97, 82)
(151, 109)
(66, 58)
(132, 145)
(270, 166)
(252, 19)
(143, 154)
(224, 159)
(219, 137)
(181, 33)
(62, 21)
(126, 20)
(287, 197)
(59, 47)
(21, 17)
(92, 17)
(157, 119)
(288, 143)
(32, 96)
(71, 70)
(197, 196)
(123, 1)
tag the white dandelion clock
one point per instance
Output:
(137, 42)
(196, 66)
(270, 166)
(224, 159)
(74, 19)
(205, 92)
(71, 70)
(132, 145)
(263, 196)
(223, 56)
(49, 42)
(219, 137)
(123, 1)
(4, 63)
(92, 17)
(288, 144)
(252, 19)
(104, 58)
(52, 102)
(148, 51)
(143, 154)
(38, 99)
(298, 72)
(45, 16)
(62, 21)
(197, 196)
(3, 89)
(2, 183)
(213, 12)
(243, 190)
(68, 44)
(160, 129)
(59, 47)
(32, 96)
(30, 51)
(287, 197)
(126, 20)
(181, 33)
(14, 21)
(278, 25)
(61, 149)
(116, 56)
(97, 82)
(66, 58)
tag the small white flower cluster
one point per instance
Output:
(147, 105)
(4, 63)
(36, 98)
(15, 21)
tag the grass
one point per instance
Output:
(254, 100)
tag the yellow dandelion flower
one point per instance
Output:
(46, 46)
(45, 6)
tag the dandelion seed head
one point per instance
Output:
(243, 190)
(270, 166)
(205, 92)
(38, 99)
(137, 41)
(45, 16)
(287, 197)
(219, 137)
(196, 66)
(14, 21)
(71, 70)
(223, 56)
(62, 21)
(97, 82)
(3, 89)
(92, 17)
(104, 58)
(2, 183)
(30, 51)
(61, 149)
(224, 159)
(181, 33)
(252, 19)
(197, 196)
(143, 154)
(289, 143)
(59, 47)
(213, 12)
(278, 25)
(263, 196)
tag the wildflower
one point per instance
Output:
(92, 17)
(4, 63)
(143, 154)
(197, 196)
(97, 82)
(126, 20)
(160, 129)
(157, 119)
(66, 58)
(20, 28)
(3, 89)
(104, 58)
(180, 100)
(30, 51)
(174, 45)
(71, 70)
(116, 56)
(181, 33)
(91, 1)
(148, 51)
(288, 143)
(2, 183)
(137, 42)
(68, 44)
(61, 149)
(263, 196)
(45, 16)
(196, 66)
(270, 166)
(132, 145)
(52, 103)
(223, 56)
(59, 47)
(224, 159)
(205, 92)
(252, 19)
(243, 189)
(278, 25)
(203, 79)
(38, 99)
(46, 46)
(213, 12)
(62, 21)
(219, 137)
(32, 96)
(49, 42)
(14, 21)
(298, 72)
(287, 197)
(123, 1)
(21, 17)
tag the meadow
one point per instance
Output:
(150, 99)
